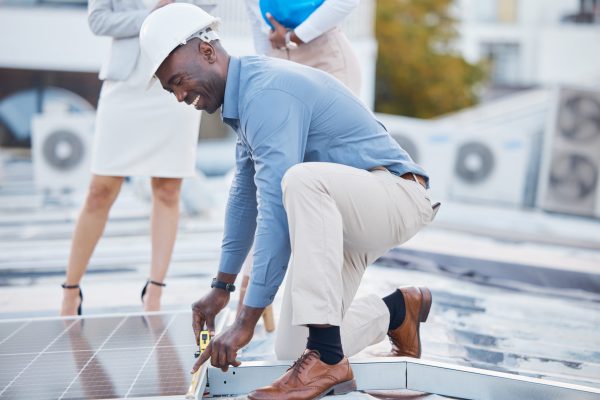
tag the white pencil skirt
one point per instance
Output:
(143, 132)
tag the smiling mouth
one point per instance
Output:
(195, 102)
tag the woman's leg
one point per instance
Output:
(89, 227)
(165, 218)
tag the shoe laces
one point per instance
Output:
(301, 362)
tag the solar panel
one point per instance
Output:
(97, 357)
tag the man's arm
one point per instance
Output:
(275, 124)
(240, 214)
(277, 140)
(240, 223)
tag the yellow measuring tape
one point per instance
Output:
(204, 341)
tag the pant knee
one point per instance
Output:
(299, 179)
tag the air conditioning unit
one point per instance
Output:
(495, 167)
(61, 148)
(429, 146)
(570, 178)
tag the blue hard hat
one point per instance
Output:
(289, 13)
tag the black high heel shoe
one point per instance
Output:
(146, 286)
(65, 286)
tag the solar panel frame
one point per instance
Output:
(399, 373)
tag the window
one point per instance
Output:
(507, 11)
(504, 60)
(501, 11)
(588, 13)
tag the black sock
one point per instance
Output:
(395, 303)
(326, 341)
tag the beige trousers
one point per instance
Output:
(331, 52)
(341, 219)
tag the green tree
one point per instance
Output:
(419, 73)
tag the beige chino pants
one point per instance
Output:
(341, 219)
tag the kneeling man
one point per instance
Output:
(318, 178)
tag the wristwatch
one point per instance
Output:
(289, 44)
(228, 287)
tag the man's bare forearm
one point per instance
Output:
(248, 317)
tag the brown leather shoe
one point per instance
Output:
(405, 339)
(309, 378)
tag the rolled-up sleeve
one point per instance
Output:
(240, 215)
(277, 138)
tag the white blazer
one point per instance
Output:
(122, 20)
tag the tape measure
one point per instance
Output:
(204, 340)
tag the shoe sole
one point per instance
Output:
(340, 388)
(425, 304)
(426, 300)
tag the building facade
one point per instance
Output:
(532, 42)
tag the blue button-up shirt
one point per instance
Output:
(284, 114)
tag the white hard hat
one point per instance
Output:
(171, 26)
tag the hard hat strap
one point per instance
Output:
(204, 35)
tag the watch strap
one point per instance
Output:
(229, 287)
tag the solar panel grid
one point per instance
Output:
(96, 358)
(10, 329)
(34, 337)
(10, 365)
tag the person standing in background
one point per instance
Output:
(307, 32)
(138, 133)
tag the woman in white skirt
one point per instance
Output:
(139, 132)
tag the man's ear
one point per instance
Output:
(208, 51)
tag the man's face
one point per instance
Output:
(192, 74)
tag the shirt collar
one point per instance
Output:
(230, 101)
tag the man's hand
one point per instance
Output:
(206, 309)
(222, 349)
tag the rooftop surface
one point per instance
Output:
(514, 291)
